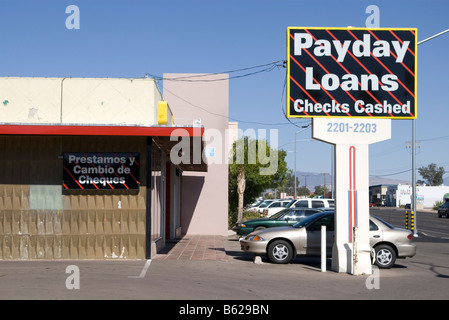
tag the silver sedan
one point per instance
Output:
(282, 244)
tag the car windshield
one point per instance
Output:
(290, 203)
(305, 222)
(266, 203)
(280, 214)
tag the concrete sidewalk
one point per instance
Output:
(195, 247)
(236, 278)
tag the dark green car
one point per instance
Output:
(286, 217)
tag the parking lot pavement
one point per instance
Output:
(236, 278)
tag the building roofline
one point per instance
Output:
(100, 129)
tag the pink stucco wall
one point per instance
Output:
(204, 195)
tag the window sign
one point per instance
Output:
(101, 170)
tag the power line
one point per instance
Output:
(191, 78)
(395, 173)
(389, 174)
(435, 139)
(270, 65)
(222, 115)
(283, 107)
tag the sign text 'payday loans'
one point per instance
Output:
(349, 72)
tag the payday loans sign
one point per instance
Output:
(351, 72)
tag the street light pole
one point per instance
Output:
(415, 229)
(304, 128)
(434, 36)
(415, 232)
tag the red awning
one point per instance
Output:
(101, 130)
(161, 134)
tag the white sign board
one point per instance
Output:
(354, 131)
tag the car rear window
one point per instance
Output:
(373, 226)
(385, 223)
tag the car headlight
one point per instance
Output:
(254, 237)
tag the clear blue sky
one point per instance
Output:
(119, 38)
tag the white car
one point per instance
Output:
(313, 203)
(253, 205)
(276, 206)
(260, 206)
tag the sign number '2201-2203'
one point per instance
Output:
(363, 127)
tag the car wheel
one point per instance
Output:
(385, 256)
(280, 251)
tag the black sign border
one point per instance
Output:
(321, 97)
(70, 180)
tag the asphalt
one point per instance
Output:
(211, 268)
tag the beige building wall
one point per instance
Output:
(204, 204)
(79, 101)
(40, 220)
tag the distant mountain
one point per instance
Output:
(376, 180)
(312, 179)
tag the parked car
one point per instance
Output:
(313, 203)
(289, 216)
(275, 207)
(444, 210)
(282, 244)
(260, 206)
(253, 205)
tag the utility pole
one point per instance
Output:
(324, 190)
(304, 128)
(414, 147)
(305, 180)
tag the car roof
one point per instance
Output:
(315, 199)
(317, 209)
